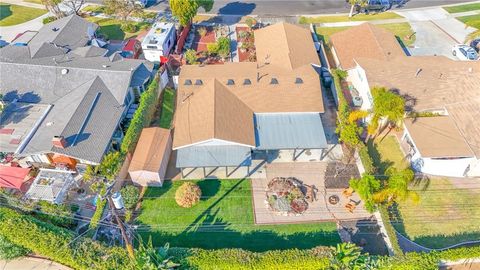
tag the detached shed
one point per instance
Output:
(150, 160)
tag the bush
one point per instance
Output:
(191, 57)
(9, 251)
(59, 215)
(49, 19)
(98, 213)
(223, 48)
(188, 195)
(141, 118)
(130, 195)
(397, 250)
(250, 22)
(129, 27)
(202, 31)
(55, 243)
(367, 161)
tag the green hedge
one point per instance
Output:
(9, 250)
(98, 213)
(367, 161)
(390, 230)
(58, 244)
(343, 108)
(142, 116)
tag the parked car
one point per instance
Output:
(475, 44)
(464, 52)
(378, 5)
(132, 48)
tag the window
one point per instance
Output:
(247, 82)
(230, 82)
(198, 82)
(274, 81)
(298, 81)
(187, 82)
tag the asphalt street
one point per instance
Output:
(286, 7)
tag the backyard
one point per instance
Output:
(222, 219)
(164, 115)
(14, 14)
(111, 28)
(445, 214)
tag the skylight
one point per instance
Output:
(187, 82)
(247, 82)
(298, 80)
(230, 82)
(198, 82)
(274, 81)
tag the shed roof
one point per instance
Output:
(437, 137)
(289, 131)
(13, 177)
(150, 150)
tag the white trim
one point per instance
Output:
(212, 140)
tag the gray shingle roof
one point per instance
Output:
(90, 51)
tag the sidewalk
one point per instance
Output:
(8, 33)
(29, 263)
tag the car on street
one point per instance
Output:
(475, 44)
(464, 52)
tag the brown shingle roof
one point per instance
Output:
(365, 40)
(217, 110)
(437, 137)
(150, 148)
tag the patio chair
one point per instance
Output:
(350, 207)
(347, 193)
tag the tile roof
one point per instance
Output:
(437, 137)
(199, 114)
(150, 150)
(365, 40)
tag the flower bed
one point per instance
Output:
(286, 196)
(246, 44)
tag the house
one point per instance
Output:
(159, 41)
(149, 162)
(64, 96)
(232, 117)
(445, 143)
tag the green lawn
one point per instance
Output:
(386, 152)
(473, 21)
(34, 1)
(223, 219)
(168, 104)
(401, 31)
(345, 18)
(111, 28)
(446, 215)
(462, 8)
(14, 14)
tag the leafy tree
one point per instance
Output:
(347, 256)
(396, 187)
(348, 133)
(149, 258)
(191, 57)
(354, 116)
(223, 47)
(130, 195)
(387, 104)
(207, 5)
(366, 186)
(53, 7)
(356, 3)
(184, 10)
(9, 250)
(74, 5)
(91, 173)
(110, 165)
(122, 8)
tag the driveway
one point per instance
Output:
(436, 31)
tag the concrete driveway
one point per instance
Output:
(436, 31)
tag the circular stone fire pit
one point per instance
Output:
(286, 196)
(334, 199)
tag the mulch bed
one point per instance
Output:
(243, 56)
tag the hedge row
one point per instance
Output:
(59, 244)
(9, 250)
(98, 213)
(397, 250)
(343, 108)
(142, 116)
(367, 161)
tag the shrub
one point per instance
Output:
(223, 46)
(141, 118)
(397, 250)
(9, 250)
(130, 195)
(59, 215)
(191, 57)
(250, 22)
(49, 19)
(98, 213)
(367, 161)
(129, 27)
(202, 31)
(111, 164)
(188, 195)
(366, 186)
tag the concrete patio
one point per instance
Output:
(311, 173)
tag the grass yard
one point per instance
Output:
(462, 8)
(111, 28)
(222, 219)
(400, 30)
(386, 152)
(473, 21)
(14, 14)
(446, 215)
(168, 105)
(345, 18)
(34, 1)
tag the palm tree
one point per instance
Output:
(347, 256)
(386, 105)
(355, 3)
(396, 188)
(149, 258)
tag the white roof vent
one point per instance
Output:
(64, 71)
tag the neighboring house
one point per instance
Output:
(150, 160)
(446, 144)
(228, 116)
(65, 97)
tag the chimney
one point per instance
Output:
(59, 141)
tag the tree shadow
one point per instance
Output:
(380, 165)
(209, 187)
(237, 8)
(366, 234)
(28, 97)
(5, 11)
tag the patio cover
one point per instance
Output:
(13, 177)
(213, 156)
(276, 131)
(51, 185)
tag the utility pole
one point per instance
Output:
(122, 228)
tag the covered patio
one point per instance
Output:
(51, 185)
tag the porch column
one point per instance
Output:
(226, 171)
(183, 174)
(204, 173)
(294, 154)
